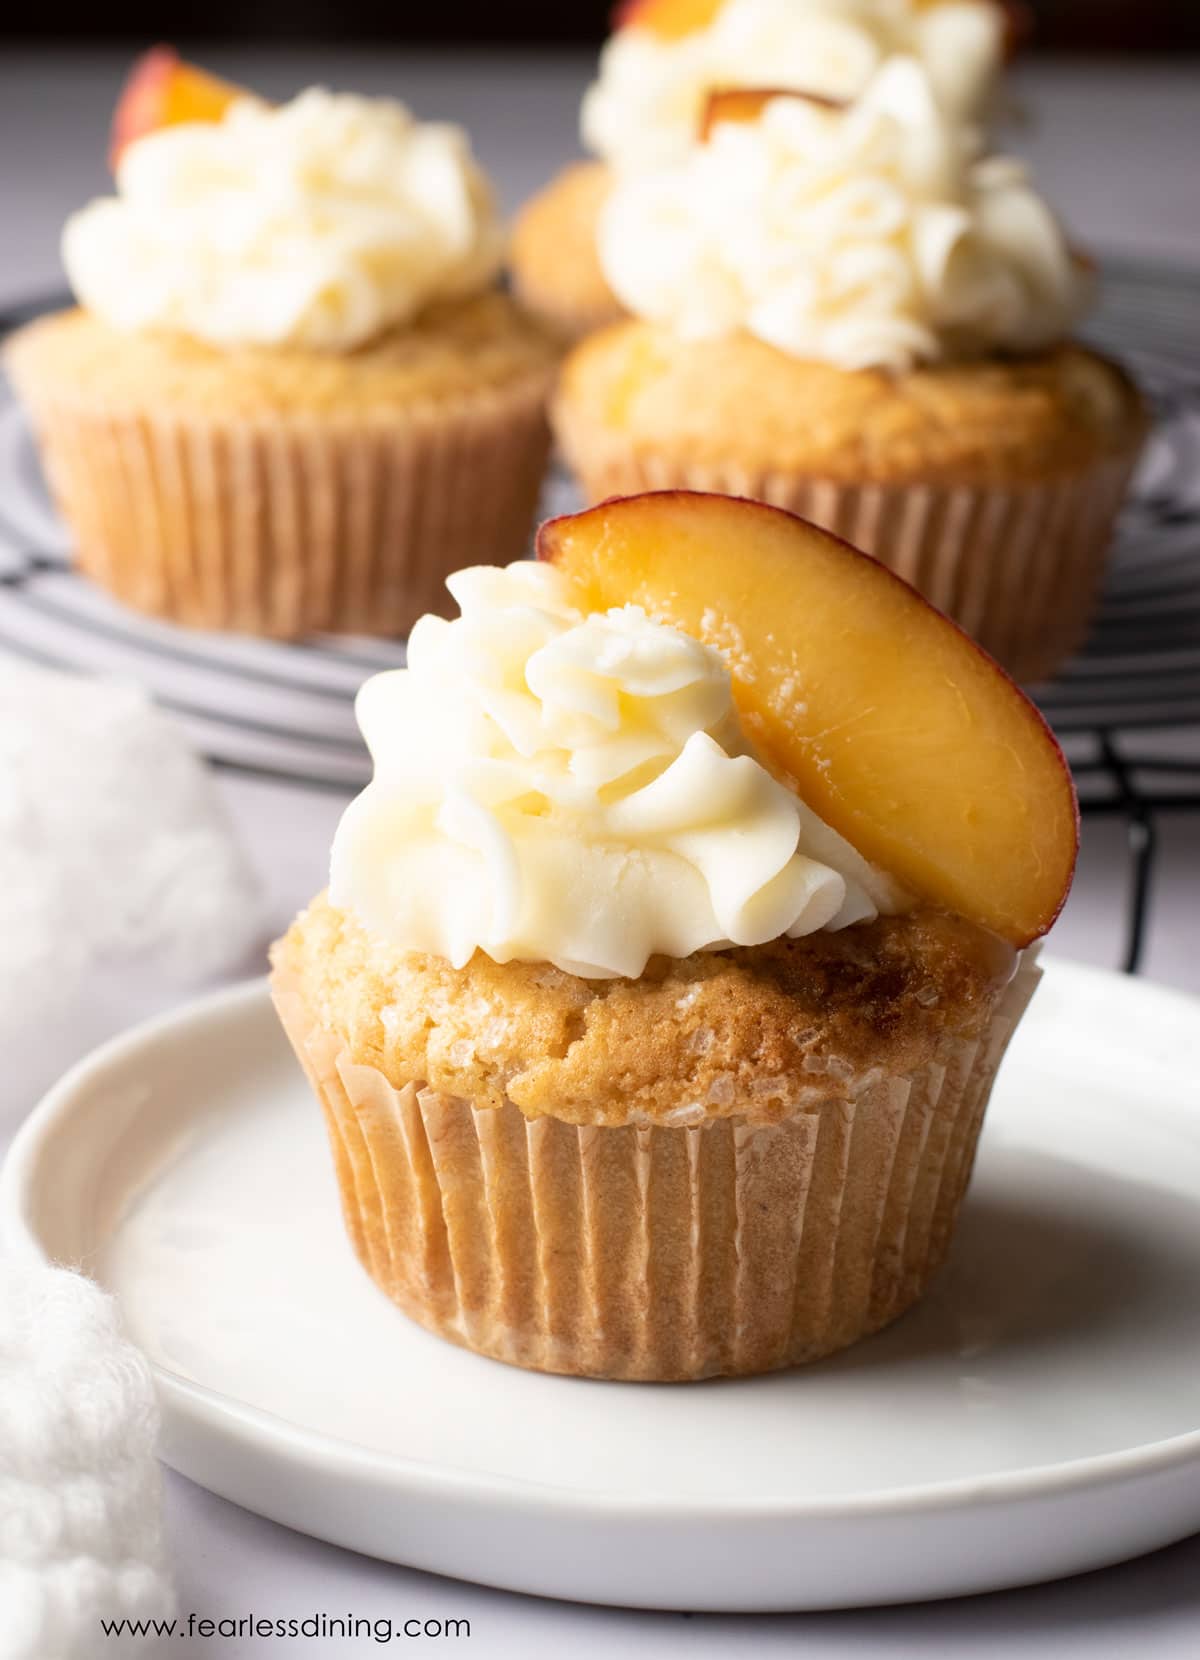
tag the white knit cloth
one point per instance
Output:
(123, 889)
(80, 1514)
(117, 866)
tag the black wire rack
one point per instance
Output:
(1127, 709)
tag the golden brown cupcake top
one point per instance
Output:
(737, 402)
(746, 1031)
(463, 349)
(555, 265)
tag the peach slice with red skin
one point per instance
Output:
(161, 90)
(743, 104)
(888, 720)
(668, 19)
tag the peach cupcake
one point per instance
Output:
(294, 397)
(851, 311)
(667, 963)
(647, 103)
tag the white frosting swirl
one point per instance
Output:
(869, 236)
(554, 787)
(319, 223)
(645, 107)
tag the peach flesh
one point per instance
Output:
(163, 91)
(888, 720)
(668, 19)
(745, 104)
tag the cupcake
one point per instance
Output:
(647, 104)
(293, 397)
(851, 311)
(668, 960)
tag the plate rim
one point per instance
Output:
(201, 1406)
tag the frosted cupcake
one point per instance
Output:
(854, 312)
(665, 57)
(654, 1006)
(293, 397)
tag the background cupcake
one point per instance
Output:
(633, 1065)
(852, 311)
(293, 398)
(665, 57)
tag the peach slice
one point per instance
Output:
(888, 720)
(668, 19)
(163, 91)
(746, 103)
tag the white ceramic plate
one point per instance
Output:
(1039, 1415)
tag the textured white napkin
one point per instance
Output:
(118, 871)
(80, 1510)
(123, 889)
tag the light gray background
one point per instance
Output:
(1117, 148)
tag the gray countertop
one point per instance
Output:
(1117, 149)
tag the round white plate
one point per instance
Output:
(1038, 1416)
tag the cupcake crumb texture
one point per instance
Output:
(747, 1031)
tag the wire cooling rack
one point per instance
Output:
(1127, 709)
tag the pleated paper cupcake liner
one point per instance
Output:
(294, 526)
(653, 1252)
(1020, 568)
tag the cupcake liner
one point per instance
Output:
(294, 526)
(655, 1252)
(1020, 567)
